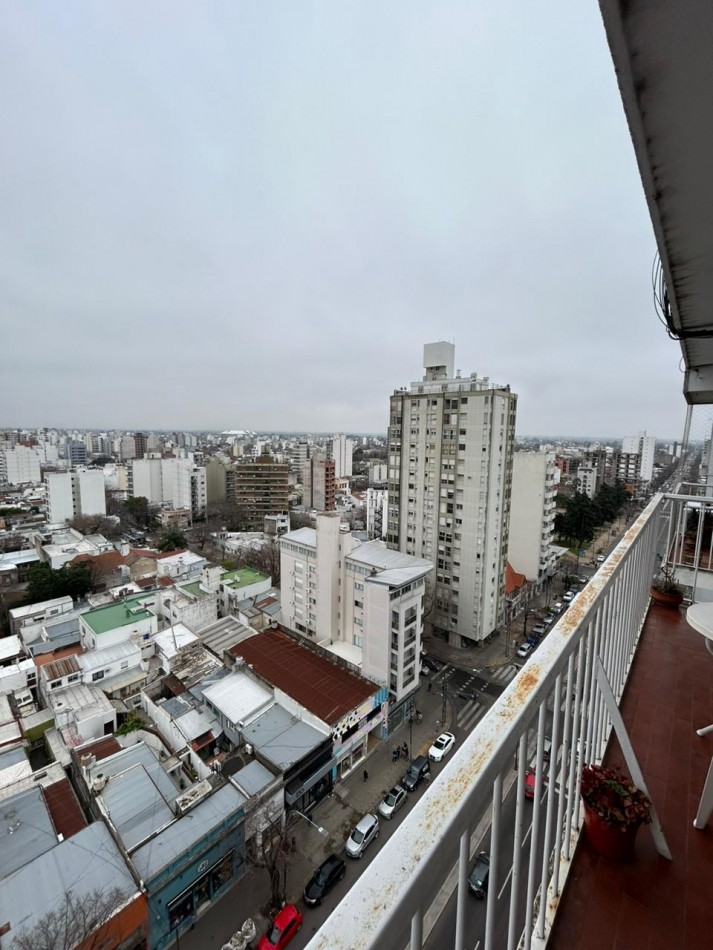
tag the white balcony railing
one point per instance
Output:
(394, 904)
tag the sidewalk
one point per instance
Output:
(336, 815)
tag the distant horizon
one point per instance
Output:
(560, 437)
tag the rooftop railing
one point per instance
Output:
(551, 718)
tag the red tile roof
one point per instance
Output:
(67, 816)
(315, 682)
(108, 561)
(513, 580)
(42, 659)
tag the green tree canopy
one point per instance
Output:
(73, 580)
(171, 540)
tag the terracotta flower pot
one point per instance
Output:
(666, 600)
(615, 842)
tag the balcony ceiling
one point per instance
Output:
(663, 56)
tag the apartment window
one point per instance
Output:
(359, 604)
(99, 675)
(124, 664)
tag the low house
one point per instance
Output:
(194, 603)
(239, 585)
(306, 679)
(131, 617)
(85, 872)
(27, 621)
(118, 670)
(185, 842)
(82, 712)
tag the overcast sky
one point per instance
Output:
(253, 215)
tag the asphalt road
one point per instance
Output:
(443, 934)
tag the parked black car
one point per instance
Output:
(417, 771)
(324, 879)
(478, 880)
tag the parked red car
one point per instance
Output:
(282, 930)
(530, 779)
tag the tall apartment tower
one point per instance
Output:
(644, 446)
(450, 447)
(140, 444)
(72, 494)
(532, 514)
(342, 448)
(318, 483)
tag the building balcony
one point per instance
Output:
(611, 653)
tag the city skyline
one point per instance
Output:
(220, 212)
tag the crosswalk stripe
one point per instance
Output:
(474, 718)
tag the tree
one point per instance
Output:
(269, 846)
(75, 581)
(171, 540)
(96, 524)
(137, 510)
(76, 922)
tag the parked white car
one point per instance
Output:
(442, 746)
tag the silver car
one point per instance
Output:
(362, 836)
(392, 801)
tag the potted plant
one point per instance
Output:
(665, 590)
(614, 808)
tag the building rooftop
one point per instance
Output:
(187, 832)
(306, 536)
(282, 739)
(122, 614)
(84, 863)
(316, 683)
(377, 554)
(26, 830)
(172, 640)
(253, 778)
(238, 697)
(243, 577)
(223, 634)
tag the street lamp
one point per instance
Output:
(309, 821)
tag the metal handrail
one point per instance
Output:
(389, 906)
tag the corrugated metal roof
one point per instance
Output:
(253, 778)
(26, 830)
(238, 697)
(67, 816)
(223, 634)
(182, 836)
(59, 668)
(100, 748)
(282, 738)
(135, 805)
(315, 682)
(194, 723)
(174, 638)
(88, 861)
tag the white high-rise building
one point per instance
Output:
(342, 448)
(73, 494)
(532, 514)
(450, 468)
(362, 602)
(644, 446)
(20, 466)
(175, 482)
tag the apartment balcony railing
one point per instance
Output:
(556, 697)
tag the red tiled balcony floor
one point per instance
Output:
(650, 902)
